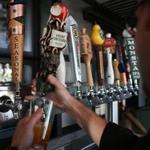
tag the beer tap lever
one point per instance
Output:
(16, 44)
(74, 52)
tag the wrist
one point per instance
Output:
(68, 103)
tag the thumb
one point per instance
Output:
(36, 116)
(54, 81)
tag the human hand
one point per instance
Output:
(23, 136)
(60, 96)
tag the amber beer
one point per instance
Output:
(38, 131)
(42, 130)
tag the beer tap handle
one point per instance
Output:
(16, 45)
(61, 71)
(109, 70)
(97, 40)
(48, 115)
(100, 59)
(53, 41)
(89, 75)
(86, 53)
(123, 79)
(74, 53)
(109, 48)
(116, 72)
(121, 66)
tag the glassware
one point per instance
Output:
(42, 130)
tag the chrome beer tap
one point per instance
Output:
(117, 88)
(74, 53)
(112, 106)
(87, 54)
(109, 48)
(97, 40)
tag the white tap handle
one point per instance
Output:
(61, 71)
(74, 47)
(109, 71)
(48, 115)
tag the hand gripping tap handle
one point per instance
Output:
(53, 41)
(86, 53)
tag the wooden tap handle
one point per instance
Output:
(86, 46)
(86, 54)
(89, 75)
(116, 70)
(16, 38)
(123, 78)
(100, 65)
(15, 27)
(16, 11)
(87, 60)
(16, 46)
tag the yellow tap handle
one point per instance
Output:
(97, 41)
(96, 37)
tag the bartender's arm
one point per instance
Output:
(105, 135)
(87, 119)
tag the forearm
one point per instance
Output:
(87, 119)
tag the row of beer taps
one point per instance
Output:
(105, 94)
(117, 74)
(117, 77)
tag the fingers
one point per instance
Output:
(52, 80)
(50, 96)
(23, 121)
(36, 116)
